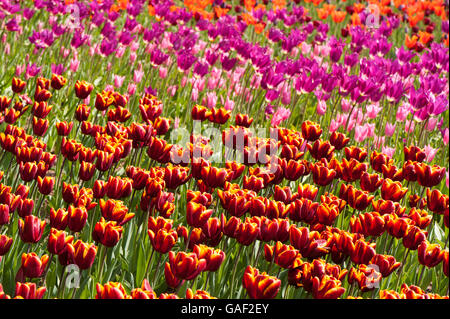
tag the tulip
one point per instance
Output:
(33, 266)
(162, 240)
(429, 176)
(303, 210)
(5, 244)
(107, 233)
(420, 217)
(321, 149)
(45, 185)
(430, 255)
(197, 214)
(111, 290)
(144, 292)
(327, 288)
(445, 267)
(186, 266)
(386, 264)
(311, 131)
(28, 171)
(59, 219)
(115, 210)
(29, 290)
(82, 112)
(77, 218)
(322, 175)
(83, 89)
(338, 140)
(368, 224)
(414, 237)
(214, 257)
(243, 120)
(370, 182)
(31, 229)
(327, 213)
(117, 187)
(391, 190)
(308, 243)
(18, 85)
(398, 226)
(367, 277)
(436, 201)
(362, 252)
(355, 152)
(64, 128)
(284, 256)
(4, 214)
(57, 241)
(246, 233)
(414, 154)
(260, 285)
(84, 254)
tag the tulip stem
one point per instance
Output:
(236, 261)
(62, 285)
(148, 263)
(44, 276)
(400, 270)
(103, 258)
(39, 207)
(60, 173)
(188, 240)
(419, 282)
(157, 270)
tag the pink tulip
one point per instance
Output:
(390, 129)
(378, 141)
(402, 113)
(172, 89)
(334, 125)
(134, 46)
(280, 115)
(389, 151)
(131, 88)
(200, 83)
(194, 95)
(229, 104)
(345, 105)
(372, 110)
(321, 107)
(360, 133)
(163, 72)
(133, 57)
(445, 136)
(409, 126)
(431, 125)
(138, 75)
(370, 129)
(176, 123)
(446, 179)
(184, 81)
(430, 153)
(118, 80)
(211, 99)
(74, 64)
(19, 69)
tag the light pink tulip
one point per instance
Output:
(430, 152)
(118, 80)
(390, 129)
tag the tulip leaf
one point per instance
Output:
(439, 233)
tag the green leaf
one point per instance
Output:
(438, 232)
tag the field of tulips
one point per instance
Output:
(165, 149)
